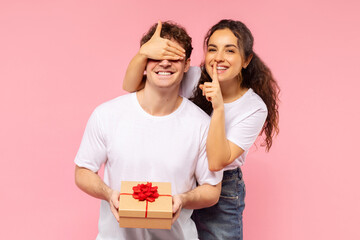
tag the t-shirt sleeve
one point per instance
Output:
(245, 132)
(190, 81)
(202, 172)
(92, 151)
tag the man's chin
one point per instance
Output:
(167, 86)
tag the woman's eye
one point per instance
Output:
(230, 51)
(211, 50)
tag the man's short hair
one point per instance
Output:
(171, 30)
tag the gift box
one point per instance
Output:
(145, 205)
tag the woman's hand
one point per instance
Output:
(212, 90)
(159, 48)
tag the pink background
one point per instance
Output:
(60, 59)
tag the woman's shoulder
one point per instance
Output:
(255, 100)
(190, 81)
(193, 71)
(249, 104)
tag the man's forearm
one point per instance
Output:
(202, 196)
(91, 183)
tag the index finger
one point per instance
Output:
(214, 71)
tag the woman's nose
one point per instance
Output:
(219, 57)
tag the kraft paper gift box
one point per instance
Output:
(145, 214)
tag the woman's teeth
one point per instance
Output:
(221, 68)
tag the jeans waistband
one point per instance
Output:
(236, 172)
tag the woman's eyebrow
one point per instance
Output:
(227, 45)
(231, 45)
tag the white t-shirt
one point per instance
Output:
(190, 81)
(244, 118)
(136, 146)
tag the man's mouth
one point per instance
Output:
(164, 73)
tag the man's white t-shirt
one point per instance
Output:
(136, 146)
(244, 118)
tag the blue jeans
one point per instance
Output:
(224, 220)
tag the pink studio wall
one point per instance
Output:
(60, 59)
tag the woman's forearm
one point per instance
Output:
(134, 73)
(217, 145)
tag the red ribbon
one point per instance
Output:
(146, 192)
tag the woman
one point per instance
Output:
(237, 89)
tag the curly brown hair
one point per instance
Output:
(171, 30)
(256, 76)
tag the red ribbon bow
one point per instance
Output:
(145, 192)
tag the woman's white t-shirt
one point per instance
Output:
(244, 117)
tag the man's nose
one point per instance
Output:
(165, 63)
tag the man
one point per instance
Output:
(151, 135)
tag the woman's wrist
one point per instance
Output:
(219, 109)
(142, 54)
